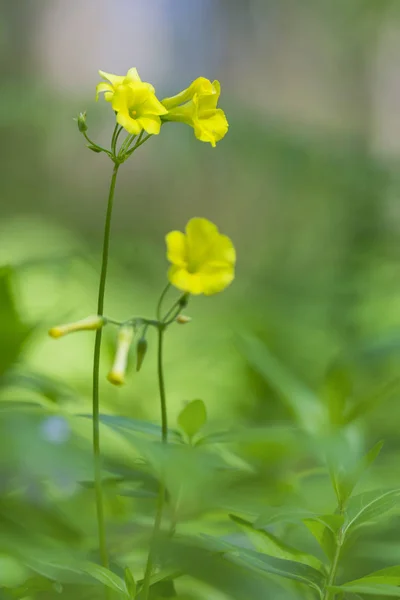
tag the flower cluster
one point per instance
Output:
(137, 107)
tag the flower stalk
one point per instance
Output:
(96, 371)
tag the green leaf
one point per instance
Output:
(13, 332)
(304, 404)
(388, 576)
(285, 568)
(346, 480)
(130, 583)
(192, 418)
(106, 577)
(32, 586)
(368, 507)
(267, 543)
(137, 426)
(275, 514)
(323, 535)
(336, 391)
(374, 589)
(263, 563)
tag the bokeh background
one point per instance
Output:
(306, 184)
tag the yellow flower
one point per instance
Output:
(114, 81)
(134, 101)
(124, 341)
(88, 324)
(202, 260)
(197, 107)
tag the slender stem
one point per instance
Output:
(178, 305)
(164, 437)
(99, 148)
(139, 143)
(161, 384)
(328, 594)
(115, 136)
(161, 300)
(96, 369)
(125, 145)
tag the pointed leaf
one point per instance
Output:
(263, 563)
(374, 589)
(267, 543)
(13, 332)
(285, 568)
(323, 535)
(192, 418)
(106, 577)
(130, 583)
(364, 508)
(136, 425)
(346, 481)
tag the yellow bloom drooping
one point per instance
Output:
(124, 341)
(197, 106)
(202, 259)
(133, 100)
(88, 324)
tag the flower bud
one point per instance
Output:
(89, 324)
(81, 120)
(124, 341)
(183, 302)
(183, 319)
(141, 350)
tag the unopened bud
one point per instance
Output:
(89, 324)
(141, 350)
(81, 120)
(124, 341)
(183, 302)
(183, 319)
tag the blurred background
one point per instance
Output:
(306, 184)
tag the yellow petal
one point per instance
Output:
(200, 232)
(113, 79)
(132, 75)
(176, 248)
(211, 127)
(103, 87)
(222, 254)
(152, 105)
(150, 123)
(216, 282)
(130, 125)
(201, 85)
(185, 281)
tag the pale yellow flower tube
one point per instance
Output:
(124, 341)
(88, 324)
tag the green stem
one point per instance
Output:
(99, 148)
(139, 143)
(161, 300)
(96, 369)
(161, 491)
(177, 307)
(115, 136)
(328, 594)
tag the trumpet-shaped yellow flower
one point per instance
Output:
(197, 107)
(202, 259)
(124, 341)
(134, 101)
(88, 324)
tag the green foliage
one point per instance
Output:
(192, 418)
